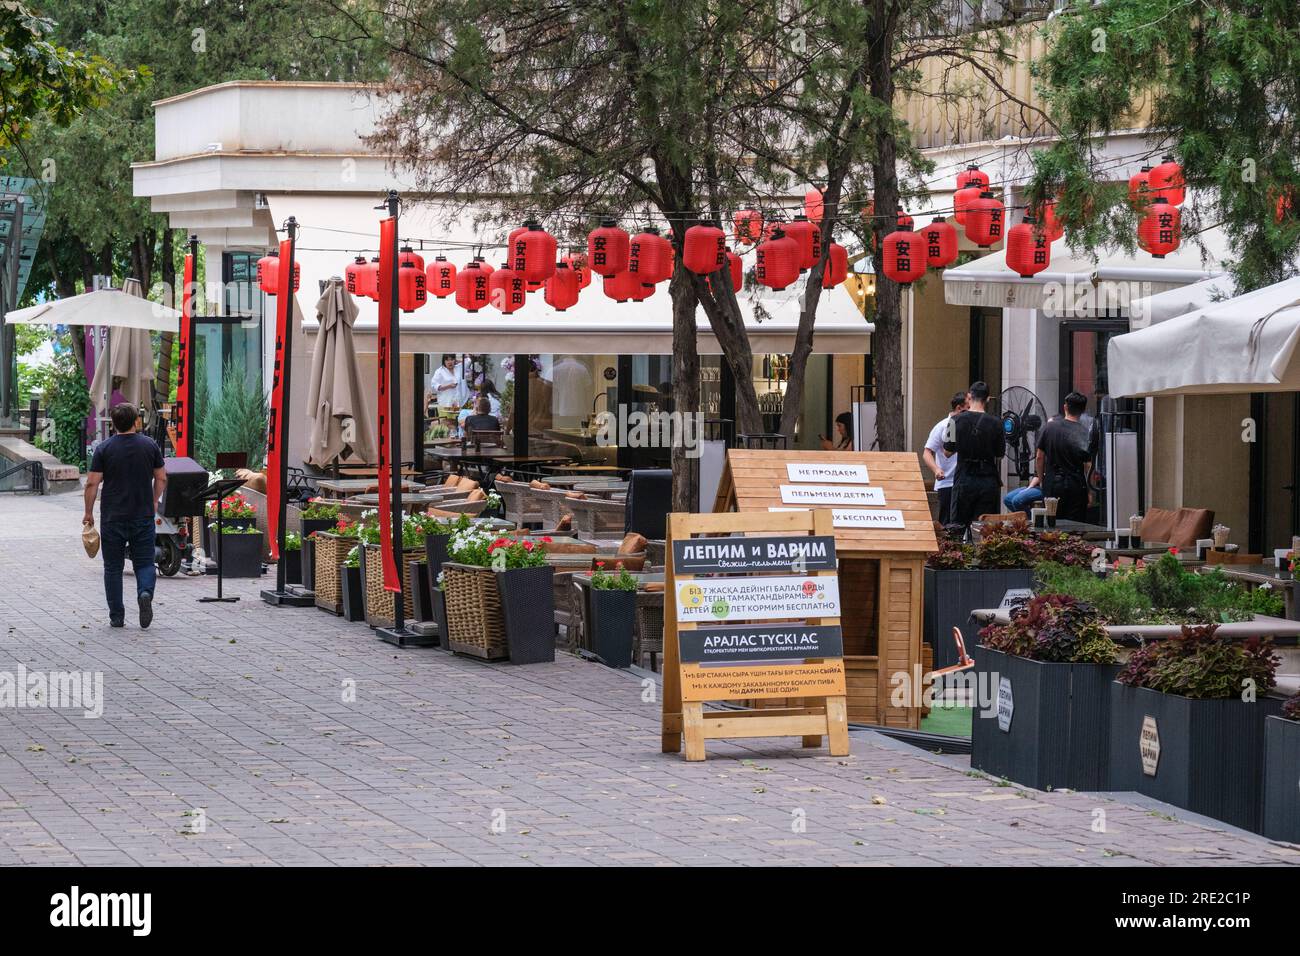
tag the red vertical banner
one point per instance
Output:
(387, 274)
(283, 305)
(184, 412)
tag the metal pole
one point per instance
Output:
(8, 334)
(395, 430)
(522, 368)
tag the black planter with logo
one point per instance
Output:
(1206, 756)
(240, 555)
(610, 623)
(353, 594)
(528, 611)
(1050, 729)
(950, 596)
(1281, 779)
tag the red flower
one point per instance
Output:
(600, 564)
(1173, 550)
(528, 546)
(546, 539)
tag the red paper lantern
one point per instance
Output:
(809, 240)
(472, 286)
(1053, 228)
(442, 277)
(361, 277)
(1166, 181)
(534, 254)
(905, 222)
(268, 274)
(412, 288)
(814, 204)
(904, 256)
(1160, 231)
(704, 251)
(578, 263)
(1029, 250)
(985, 219)
(737, 272)
(837, 266)
(507, 289)
(607, 249)
(650, 256)
(749, 226)
(972, 175)
(778, 261)
(962, 200)
(627, 286)
(1139, 189)
(372, 286)
(940, 239)
(408, 255)
(562, 288)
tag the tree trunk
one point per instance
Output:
(686, 389)
(887, 342)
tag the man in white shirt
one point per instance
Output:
(943, 465)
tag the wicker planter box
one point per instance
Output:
(240, 555)
(1209, 753)
(379, 602)
(950, 596)
(1281, 812)
(330, 551)
(500, 615)
(352, 595)
(1058, 735)
(610, 625)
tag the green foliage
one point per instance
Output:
(602, 580)
(353, 559)
(236, 421)
(69, 405)
(1202, 664)
(1053, 628)
(292, 541)
(1219, 76)
(1161, 592)
(318, 509)
(1006, 546)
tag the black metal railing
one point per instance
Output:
(36, 482)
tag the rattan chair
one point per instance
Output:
(597, 515)
(521, 508)
(649, 635)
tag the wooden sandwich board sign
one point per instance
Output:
(750, 616)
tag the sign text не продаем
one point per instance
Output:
(826, 472)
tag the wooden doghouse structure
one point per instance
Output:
(883, 531)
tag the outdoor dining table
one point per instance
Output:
(347, 487)
(586, 470)
(1265, 574)
(1089, 532)
(592, 490)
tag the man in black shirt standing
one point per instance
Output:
(979, 441)
(1066, 449)
(130, 467)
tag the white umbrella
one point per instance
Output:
(111, 307)
(334, 396)
(130, 356)
(1250, 343)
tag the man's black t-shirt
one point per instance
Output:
(1066, 447)
(127, 463)
(482, 423)
(978, 441)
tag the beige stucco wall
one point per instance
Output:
(1199, 459)
(940, 356)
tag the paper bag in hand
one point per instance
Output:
(90, 540)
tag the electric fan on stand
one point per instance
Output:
(1023, 417)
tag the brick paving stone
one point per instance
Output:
(238, 711)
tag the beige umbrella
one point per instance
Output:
(341, 422)
(130, 355)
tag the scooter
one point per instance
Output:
(172, 544)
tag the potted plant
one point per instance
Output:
(960, 578)
(1049, 673)
(1281, 812)
(236, 512)
(318, 514)
(239, 553)
(330, 550)
(500, 602)
(611, 614)
(292, 558)
(1187, 723)
(380, 606)
(352, 594)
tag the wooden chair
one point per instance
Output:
(1016, 519)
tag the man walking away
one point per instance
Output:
(130, 467)
(978, 440)
(1066, 449)
(940, 462)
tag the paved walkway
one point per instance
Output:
(234, 717)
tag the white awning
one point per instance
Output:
(108, 307)
(1175, 302)
(335, 228)
(1082, 285)
(1250, 343)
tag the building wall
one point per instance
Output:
(1199, 459)
(940, 357)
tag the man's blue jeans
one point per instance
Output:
(1022, 499)
(116, 540)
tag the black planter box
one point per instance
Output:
(435, 553)
(417, 572)
(292, 566)
(1058, 736)
(1281, 779)
(240, 555)
(353, 594)
(309, 563)
(950, 596)
(209, 534)
(528, 609)
(438, 601)
(1211, 752)
(310, 525)
(610, 623)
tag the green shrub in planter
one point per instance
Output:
(1049, 671)
(1187, 723)
(239, 553)
(351, 587)
(611, 615)
(292, 558)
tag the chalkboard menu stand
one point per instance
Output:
(684, 694)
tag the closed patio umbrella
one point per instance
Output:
(130, 355)
(340, 419)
